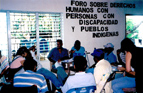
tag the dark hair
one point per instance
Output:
(80, 63)
(60, 41)
(77, 44)
(29, 64)
(21, 50)
(127, 45)
(33, 47)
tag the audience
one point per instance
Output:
(77, 50)
(29, 77)
(109, 55)
(102, 71)
(34, 74)
(58, 54)
(128, 81)
(80, 79)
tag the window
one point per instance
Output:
(49, 32)
(24, 32)
(3, 34)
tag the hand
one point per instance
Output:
(121, 68)
(72, 51)
(59, 60)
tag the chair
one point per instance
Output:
(110, 78)
(11, 89)
(88, 89)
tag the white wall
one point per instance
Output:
(85, 37)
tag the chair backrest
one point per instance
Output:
(11, 89)
(89, 89)
(111, 77)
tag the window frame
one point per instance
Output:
(37, 29)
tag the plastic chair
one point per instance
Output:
(88, 89)
(11, 89)
(110, 78)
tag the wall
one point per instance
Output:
(86, 38)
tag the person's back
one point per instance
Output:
(29, 77)
(101, 72)
(80, 79)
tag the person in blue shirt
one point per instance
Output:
(109, 55)
(30, 77)
(77, 50)
(58, 53)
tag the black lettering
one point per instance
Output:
(82, 28)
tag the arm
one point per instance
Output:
(3, 72)
(128, 63)
(51, 60)
(66, 56)
(50, 56)
(22, 62)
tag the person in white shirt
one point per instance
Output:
(80, 79)
(102, 71)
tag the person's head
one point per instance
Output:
(77, 45)
(127, 45)
(33, 48)
(30, 64)
(109, 47)
(22, 51)
(97, 54)
(80, 63)
(59, 43)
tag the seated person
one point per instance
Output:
(102, 71)
(109, 55)
(17, 62)
(91, 68)
(80, 79)
(128, 81)
(77, 50)
(58, 54)
(4, 65)
(46, 73)
(29, 77)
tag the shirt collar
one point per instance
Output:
(29, 71)
(99, 62)
(79, 73)
(61, 48)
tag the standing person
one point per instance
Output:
(58, 54)
(109, 55)
(80, 79)
(29, 77)
(102, 71)
(77, 50)
(128, 81)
